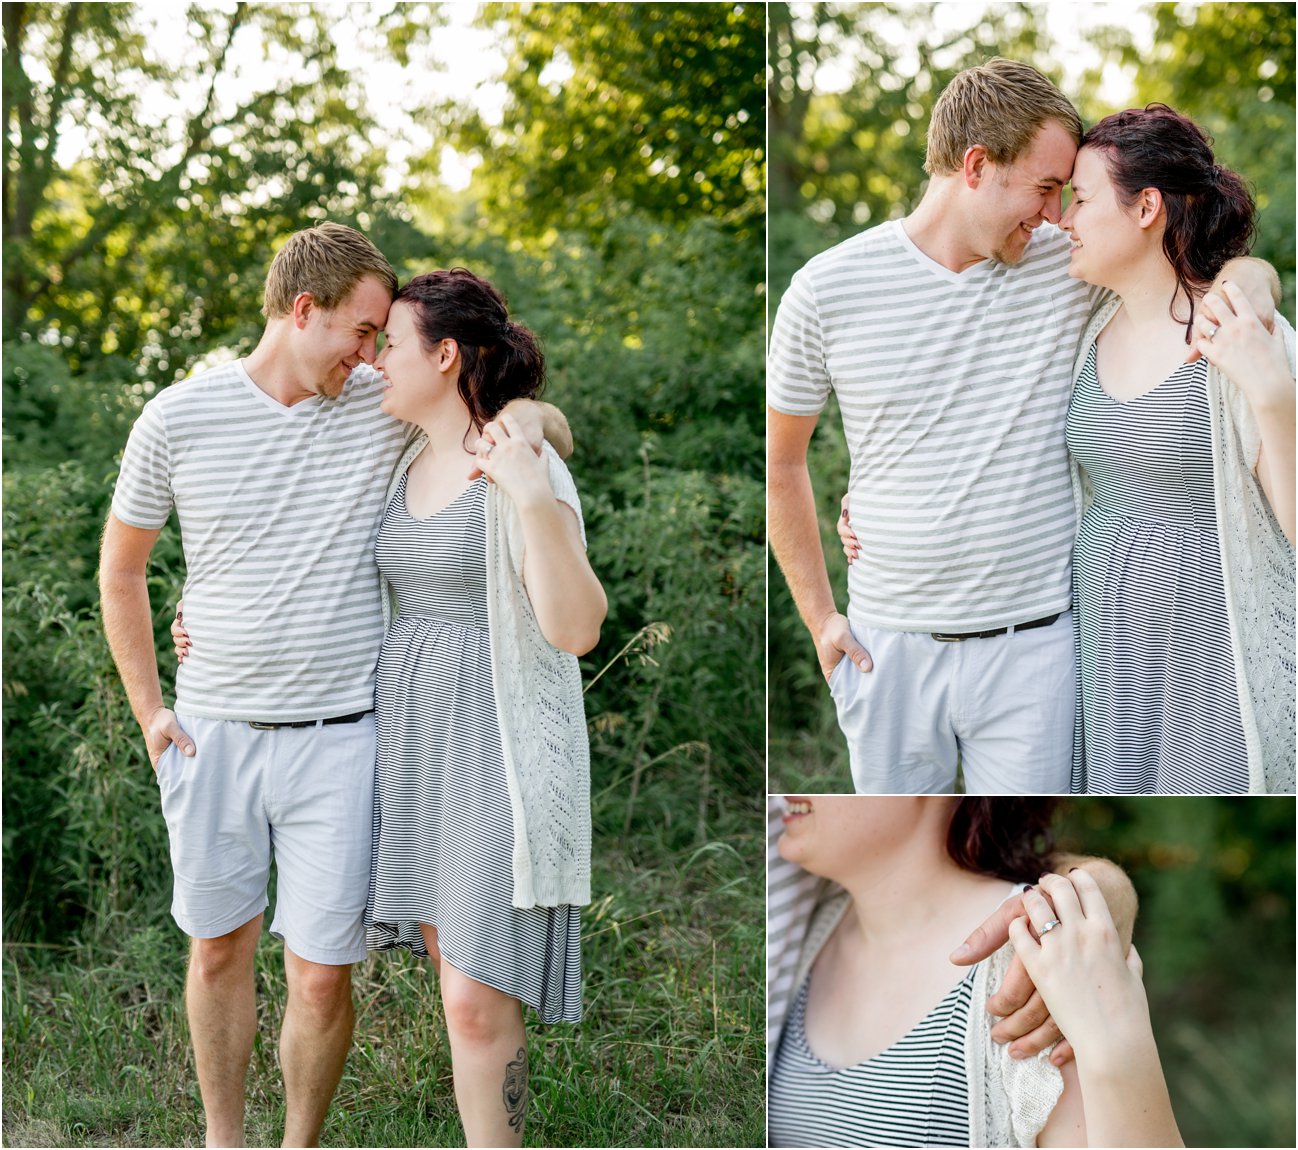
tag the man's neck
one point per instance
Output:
(271, 368)
(937, 228)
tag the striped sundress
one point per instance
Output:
(443, 831)
(915, 1093)
(1160, 711)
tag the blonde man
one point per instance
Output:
(948, 338)
(276, 465)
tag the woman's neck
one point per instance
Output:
(448, 427)
(1147, 296)
(913, 896)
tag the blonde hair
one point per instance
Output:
(327, 261)
(1000, 104)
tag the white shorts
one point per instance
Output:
(304, 795)
(1001, 707)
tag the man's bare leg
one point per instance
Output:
(221, 1000)
(313, 1044)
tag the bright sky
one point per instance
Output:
(1066, 21)
(467, 63)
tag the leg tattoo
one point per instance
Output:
(514, 1091)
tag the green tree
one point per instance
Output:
(1231, 68)
(152, 244)
(652, 108)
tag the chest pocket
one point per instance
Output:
(344, 472)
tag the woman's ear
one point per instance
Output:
(1149, 208)
(449, 353)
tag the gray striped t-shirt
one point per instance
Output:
(278, 507)
(953, 389)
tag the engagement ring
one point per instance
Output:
(1045, 930)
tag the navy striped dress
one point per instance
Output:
(443, 832)
(915, 1093)
(1160, 711)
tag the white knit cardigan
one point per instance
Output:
(1009, 1100)
(1258, 571)
(539, 708)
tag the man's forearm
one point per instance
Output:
(128, 624)
(795, 540)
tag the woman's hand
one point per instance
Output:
(504, 455)
(1229, 335)
(1074, 956)
(1235, 341)
(846, 536)
(179, 636)
(1094, 993)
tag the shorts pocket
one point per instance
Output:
(838, 674)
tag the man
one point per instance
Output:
(277, 467)
(948, 338)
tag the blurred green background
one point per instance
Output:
(1215, 930)
(851, 87)
(604, 165)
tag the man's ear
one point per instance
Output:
(975, 167)
(303, 305)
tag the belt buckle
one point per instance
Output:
(948, 638)
(262, 726)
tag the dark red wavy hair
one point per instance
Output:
(1007, 838)
(1210, 212)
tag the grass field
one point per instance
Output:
(671, 1052)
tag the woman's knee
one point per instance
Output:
(477, 1013)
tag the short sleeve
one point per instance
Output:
(143, 495)
(565, 490)
(797, 380)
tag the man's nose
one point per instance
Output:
(369, 348)
(1054, 206)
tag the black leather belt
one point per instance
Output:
(960, 638)
(355, 717)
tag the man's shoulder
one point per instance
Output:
(851, 252)
(199, 384)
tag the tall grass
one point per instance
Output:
(670, 1053)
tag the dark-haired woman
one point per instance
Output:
(1184, 565)
(882, 1042)
(482, 838)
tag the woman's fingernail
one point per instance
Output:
(1015, 1052)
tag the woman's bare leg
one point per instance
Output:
(488, 1058)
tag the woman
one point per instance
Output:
(1184, 566)
(481, 847)
(885, 1043)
